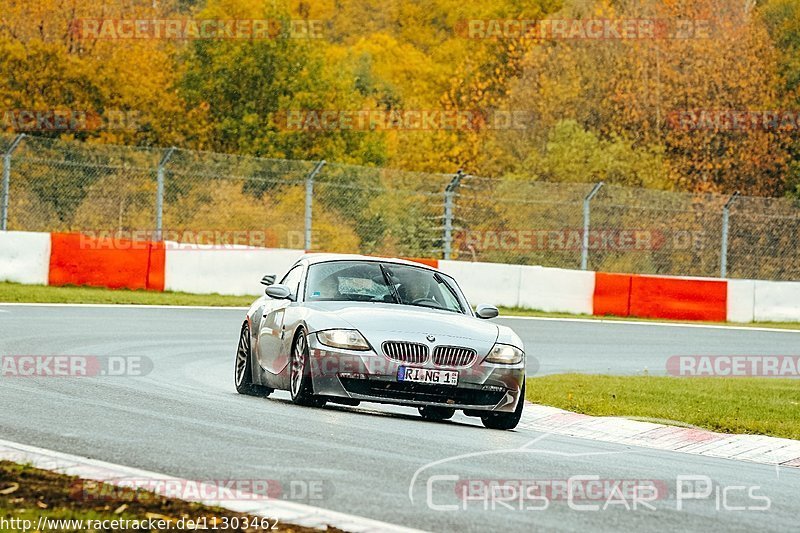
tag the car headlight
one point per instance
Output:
(348, 339)
(504, 354)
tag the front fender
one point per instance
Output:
(314, 320)
(507, 335)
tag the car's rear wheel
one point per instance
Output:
(300, 385)
(243, 370)
(436, 413)
(505, 420)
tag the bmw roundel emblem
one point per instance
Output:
(430, 338)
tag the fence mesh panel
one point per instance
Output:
(5, 141)
(656, 232)
(378, 211)
(59, 185)
(764, 240)
(69, 186)
(519, 222)
(229, 199)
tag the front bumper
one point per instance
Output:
(369, 376)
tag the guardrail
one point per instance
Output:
(74, 259)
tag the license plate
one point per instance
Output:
(427, 375)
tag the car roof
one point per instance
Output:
(326, 257)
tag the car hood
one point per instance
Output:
(406, 322)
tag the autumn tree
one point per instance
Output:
(701, 59)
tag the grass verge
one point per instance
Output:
(763, 406)
(28, 493)
(15, 292)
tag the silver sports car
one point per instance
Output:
(347, 329)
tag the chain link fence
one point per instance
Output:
(210, 196)
(190, 196)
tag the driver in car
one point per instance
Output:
(412, 290)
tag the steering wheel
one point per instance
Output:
(426, 301)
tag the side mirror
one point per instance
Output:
(269, 279)
(278, 292)
(486, 311)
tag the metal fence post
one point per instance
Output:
(586, 215)
(449, 195)
(7, 180)
(310, 204)
(723, 259)
(160, 192)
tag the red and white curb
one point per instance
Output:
(753, 448)
(112, 474)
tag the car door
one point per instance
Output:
(272, 331)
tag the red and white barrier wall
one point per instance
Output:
(235, 270)
(532, 287)
(24, 257)
(73, 259)
(119, 264)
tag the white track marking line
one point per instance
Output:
(502, 317)
(285, 511)
(643, 323)
(124, 306)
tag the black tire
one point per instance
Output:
(300, 385)
(435, 413)
(243, 369)
(505, 421)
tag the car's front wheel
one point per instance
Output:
(300, 385)
(436, 413)
(243, 371)
(505, 420)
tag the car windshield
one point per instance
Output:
(372, 281)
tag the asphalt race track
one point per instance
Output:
(185, 419)
(611, 347)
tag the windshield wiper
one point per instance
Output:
(437, 307)
(388, 279)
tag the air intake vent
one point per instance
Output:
(407, 352)
(453, 356)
